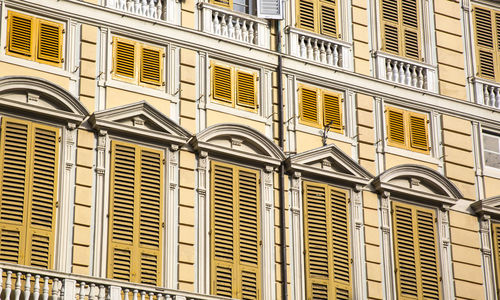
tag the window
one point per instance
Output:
(400, 24)
(243, 6)
(407, 130)
(487, 42)
(28, 175)
(35, 39)
(496, 250)
(491, 145)
(138, 63)
(319, 108)
(319, 16)
(234, 87)
(235, 236)
(327, 239)
(416, 256)
(135, 214)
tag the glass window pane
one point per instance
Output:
(492, 159)
(491, 143)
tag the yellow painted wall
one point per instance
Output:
(217, 117)
(117, 97)
(392, 160)
(8, 69)
(372, 245)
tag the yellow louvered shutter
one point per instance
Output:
(415, 242)
(246, 92)
(418, 132)
(326, 227)
(235, 237)
(29, 157)
(306, 14)
(496, 251)
(487, 25)
(390, 26)
(135, 217)
(20, 34)
(223, 3)
(222, 83)
(50, 42)
(396, 127)
(124, 58)
(332, 111)
(410, 28)
(151, 65)
(309, 105)
(328, 13)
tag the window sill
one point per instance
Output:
(254, 116)
(160, 93)
(319, 132)
(38, 66)
(240, 27)
(491, 172)
(406, 72)
(412, 155)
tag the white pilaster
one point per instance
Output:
(202, 228)
(100, 228)
(267, 231)
(388, 280)
(171, 217)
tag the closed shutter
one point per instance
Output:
(496, 248)
(487, 42)
(135, 214)
(309, 105)
(50, 41)
(390, 26)
(151, 65)
(418, 132)
(246, 92)
(332, 111)
(124, 58)
(20, 34)
(222, 83)
(328, 9)
(415, 240)
(410, 28)
(306, 14)
(235, 237)
(270, 9)
(29, 155)
(396, 127)
(326, 227)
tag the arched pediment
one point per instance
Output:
(140, 119)
(238, 141)
(39, 96)
(329, 161)
(417, 181)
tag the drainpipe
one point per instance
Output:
(281, 182)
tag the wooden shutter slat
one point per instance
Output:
(410, 26)
(223, 283)
(328, 19)
(20, 34)
(486, 35)
(10, 242)
(340, 235)
(246, 89)
(309, 105)
(390, 25)
(306, 16)
(496, 247)
(418, 132)
(332, 111)
(396, 127)
(151, 65)
(50, 41)
(428, 254)
(124, 58)
(223, 222)
(222, 83)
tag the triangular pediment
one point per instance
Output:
(329, 161)
(139, 118)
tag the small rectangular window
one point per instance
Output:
(487, 42)
(491, 150)
(407, 130)
(319, 16)
(320, 108)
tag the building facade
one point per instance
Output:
(250, 149)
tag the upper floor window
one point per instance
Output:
(29, 155)
(138, 63)
(319, 16)
(35, 39)
(491, 149)
(234, 86)
(235, 232)
(327, 242)
(135, 214)
(415, 252)
(319, 108)
(400, 25)
(487, 42)
(407, 130)
(243, 6)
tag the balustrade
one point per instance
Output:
(147, 8)
(487, 93)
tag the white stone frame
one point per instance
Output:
(248, 148)
(347, 175)
(43, 99)
(420, 184)
(110, 125)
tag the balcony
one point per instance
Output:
(21, 282)
(232, 25)
(152, 9)
(406, 72)
(319, 48)
(487, 92)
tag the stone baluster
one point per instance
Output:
(137, 7)
(414, 76)
(302, 47)
(316, 50)
(8, 285)
(497, 103)
(216, 23)
(102, 293)
(145, 8)
(167, 297)
(130, 6)
(492, 96)
(336, 56)
(230, 27)
(322, 52)
(27, 287)
(55, 289)
(151, 294)
(237, 30)
(134, 295)
(159, 296)
(244, 29)
(388, 69)
(251, 32)
(223, 25)
(93, 292)
(421, 78)
(81, 295)
(401, 73)
(125, 294)
(36, 289)
(152, 9)
(424, 76)
(329, 54)
(407, 74)
(486, 100)
(45, 291)
(122, 5)
(17, 291)
(395, 71)
(309, 49)
(159, 10)
(143, 295)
